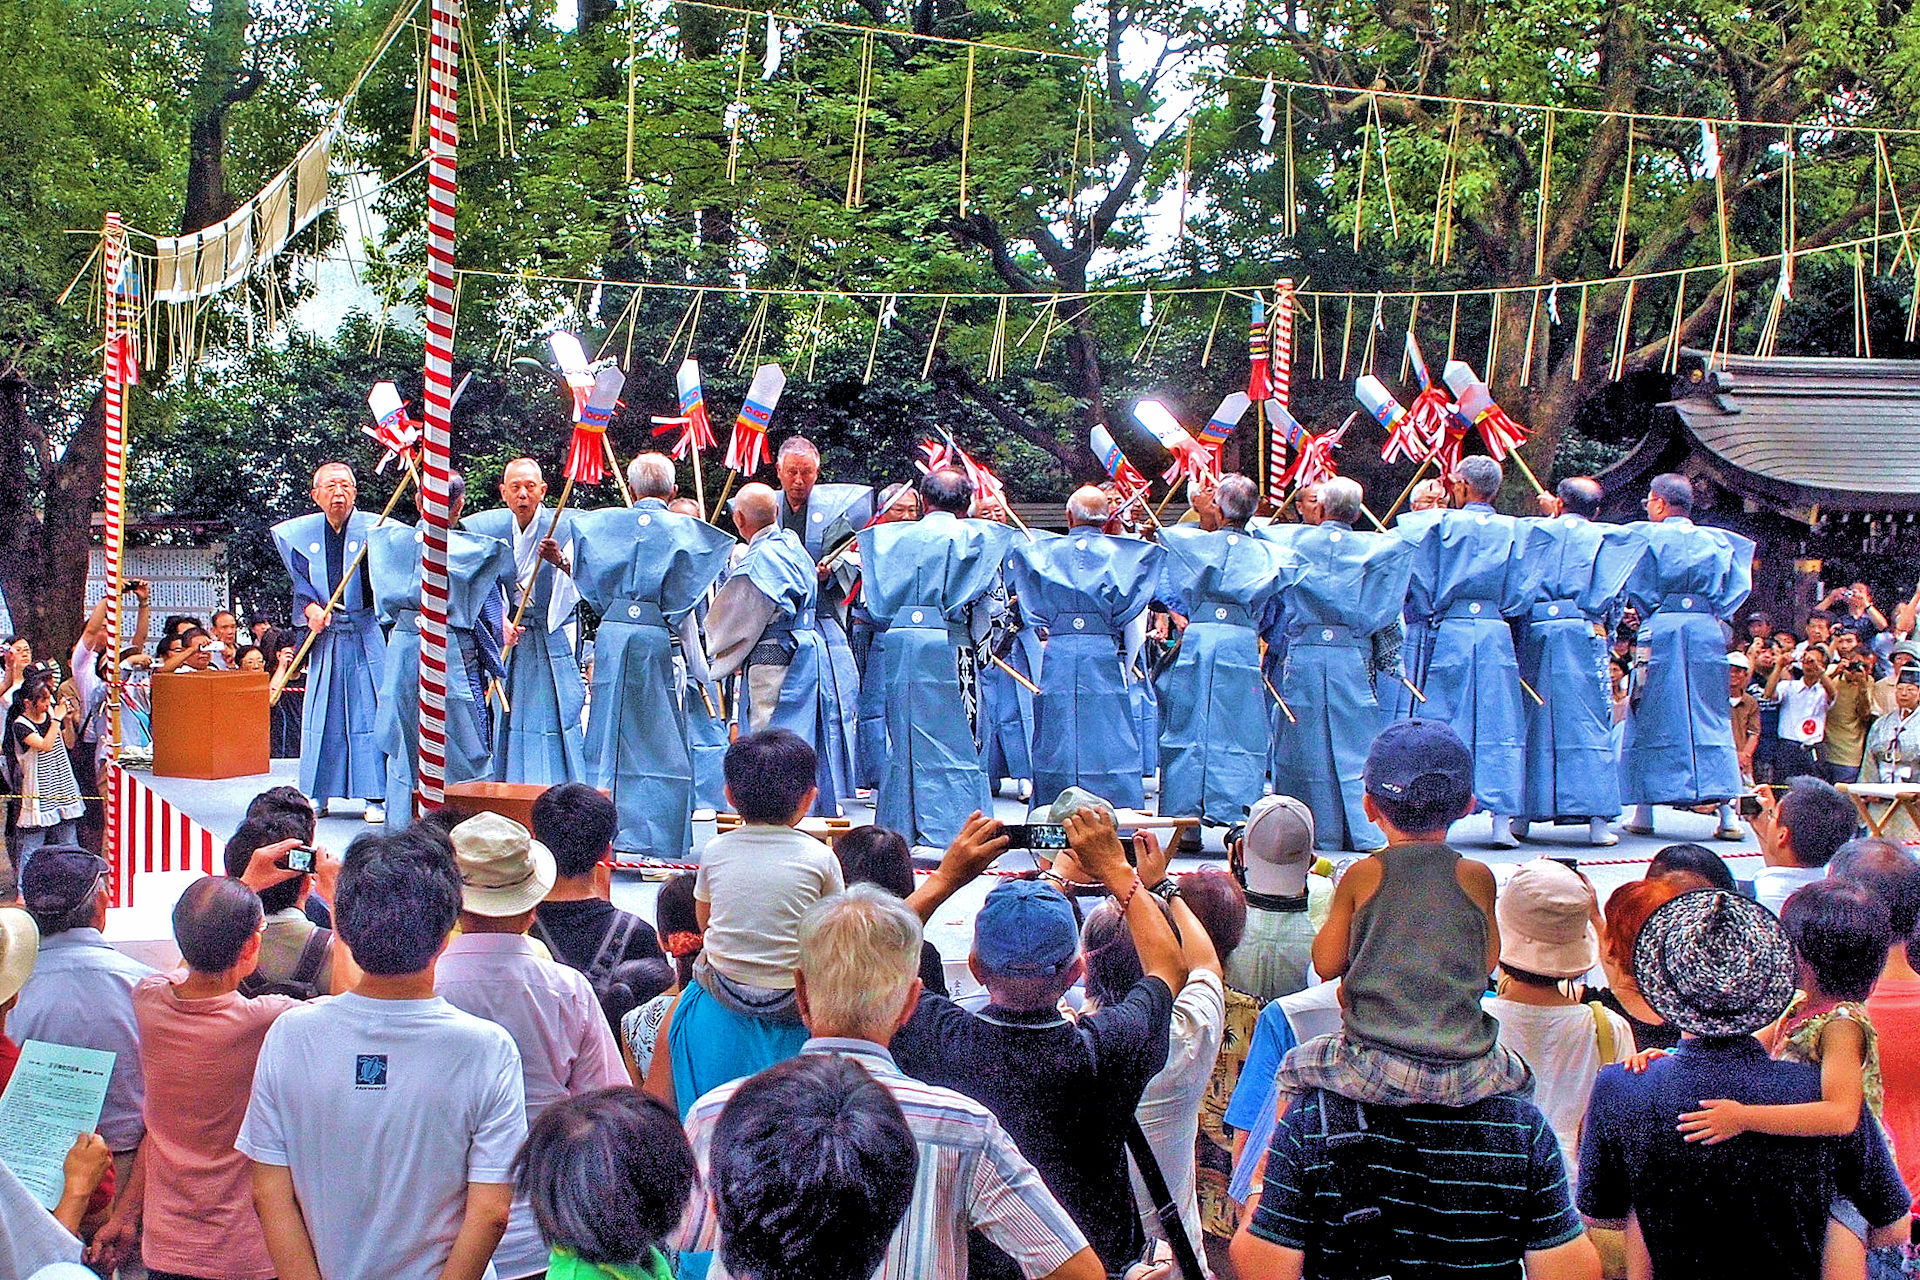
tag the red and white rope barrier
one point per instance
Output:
(443, 134)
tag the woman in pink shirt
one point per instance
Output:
(189, 1203)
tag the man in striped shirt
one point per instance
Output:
(1362, 1190)
(857, 984)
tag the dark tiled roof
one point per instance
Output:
(1796, 431)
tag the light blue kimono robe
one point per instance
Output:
(339, 737)
(834, 513)
(1084, 589)
(868, 639)
(643, 569)
(780, 568)
(1007, 708)
(1473, 569)
(541, 737)
(921, 579)
(1572, 768)
(1349, 586)
(1678, 744)
(479, 570)
(1214, 732)
(707, 733)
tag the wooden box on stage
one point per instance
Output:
(508, 799)
(210, 724)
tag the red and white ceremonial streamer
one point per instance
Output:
(119, 361)
(443, 138)
(1280, 368)
(145, 833)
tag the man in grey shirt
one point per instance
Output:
(81, 991)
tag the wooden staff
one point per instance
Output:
(1291, 718)
(1019, 679)
(1407, 492)
(1527, 471)
(1413, 689)
(619, 477)
(333, 601)
(699, 480)
(1538, 700)
(725, 489)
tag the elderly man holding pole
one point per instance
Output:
(644, 569)
(922, 580)
(1089, 590)
(1342, 618)
(1678, 745)
(323, 552)
(538, 734)
(1473, 569)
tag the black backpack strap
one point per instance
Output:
(1350, 1150)
(613, 948)
(312, 956)
(1172, 1226)
(545, 939)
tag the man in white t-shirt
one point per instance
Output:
(1805, 691)
(493, 971)
(384, 1122)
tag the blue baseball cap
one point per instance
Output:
(1025, 929)
(1422, 761)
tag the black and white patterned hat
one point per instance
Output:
(1714, 964)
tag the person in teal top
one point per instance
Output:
(607, 1174)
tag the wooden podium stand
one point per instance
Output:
(210, 724)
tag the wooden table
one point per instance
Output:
(1878, 802)
(508, 799)
(829, 830)
(825, 830)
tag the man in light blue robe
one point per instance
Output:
(480, 572)
(644, 569)
(1213, 700)
(922, 581)
(1572, 769)
(1341, 611)
(1007, 706)
(339, 738)
(702, 699)
(867, 636)
(1089, 592)
(824, 517)
(1678, 745)
(1473, 570)
(540, 737)
(761, 625)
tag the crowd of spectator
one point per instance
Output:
(449, 1055)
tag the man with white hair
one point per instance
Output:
(1678, 744)
(824, 516)
(539, 733)
(1221, 588)
(480, 572)
(1572, 770)
(1473, 569)
(1089, 591)
(644, 568)
(857, 984)
(339, 740)
(1342, 612)
(761, 624)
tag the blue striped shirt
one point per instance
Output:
(971, 1176)
(1462, 1191)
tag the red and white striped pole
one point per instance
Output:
(118, 354)
(1280, 369)
(443, 139)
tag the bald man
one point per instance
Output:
(1088, 591)
(762, 625)
(340, 755)
(645, 569)
(539, 738)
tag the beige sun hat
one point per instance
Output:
(505, 871)
(19, 948)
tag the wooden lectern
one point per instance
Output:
(210, 724)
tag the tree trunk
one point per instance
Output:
(43, 557)
(224, 83)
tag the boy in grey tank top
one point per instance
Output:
(1412, 935)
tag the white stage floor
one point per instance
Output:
(144, 928)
